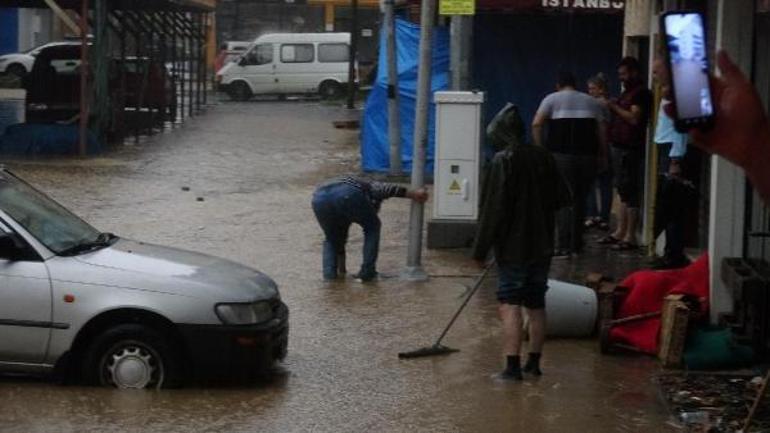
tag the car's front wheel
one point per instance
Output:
(132, 356)
(240, 91)
(17, 70)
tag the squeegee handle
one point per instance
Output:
(476, 286)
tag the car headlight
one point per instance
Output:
(244, 314)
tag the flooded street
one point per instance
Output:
(251, 170)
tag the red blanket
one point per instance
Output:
(646, 290)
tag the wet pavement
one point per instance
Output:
(254, 166)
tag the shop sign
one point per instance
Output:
(457, 7)
(584, 4)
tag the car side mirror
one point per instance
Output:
(9, 246)
(242, 61)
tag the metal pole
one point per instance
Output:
(189, 54)
(455, 50)
(206, 41)
(459, 47)
(353, 55)
(414, 269)
(394, 121)
(83, 135)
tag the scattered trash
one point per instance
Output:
(185, 188)
(347, 124)
(715, 402)
(199, 199)
(696, 417)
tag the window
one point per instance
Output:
(297, 53)
(333, 53)
(261, 54)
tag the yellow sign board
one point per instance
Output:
(457, 7)
(454, 188)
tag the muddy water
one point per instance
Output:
(254, 166)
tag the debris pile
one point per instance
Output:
(716, 402)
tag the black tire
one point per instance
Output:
(16, 69)
(239, 91)
(138, 351)
(330, 90)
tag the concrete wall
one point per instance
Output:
(34, 27)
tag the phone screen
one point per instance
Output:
(688, 62)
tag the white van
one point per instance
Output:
(289, 63)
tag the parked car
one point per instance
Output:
(289, 63)
(151, 75)
(53, 85)
(123, 313)
(20, 64)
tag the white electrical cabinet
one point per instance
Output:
(458, 151)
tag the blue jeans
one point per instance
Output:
(604, 185)
(336, 207)
(524, 285)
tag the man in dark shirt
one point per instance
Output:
(340, 202)
(576, 138)
(628, 131)
(523, 190)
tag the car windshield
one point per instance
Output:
(50, 223)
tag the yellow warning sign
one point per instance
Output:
(454, 188)
(457, 7)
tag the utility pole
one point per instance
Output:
(84, 67)
(353, 55)
(414, 271)
(394, 121)
(461, 27)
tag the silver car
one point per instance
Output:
(123, 313)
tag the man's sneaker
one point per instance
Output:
(365, 278)
(532, 369)
(510, 376)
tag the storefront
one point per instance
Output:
(738, 220)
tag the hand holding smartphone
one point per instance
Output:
(688, 65)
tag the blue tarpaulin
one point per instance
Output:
(32, 139)
(375, 148)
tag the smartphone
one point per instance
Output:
(688, 64)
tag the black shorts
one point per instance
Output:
(628, 168)
(524, 285)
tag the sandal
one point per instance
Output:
(608, 240)
(624, 246)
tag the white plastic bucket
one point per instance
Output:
(571, 310)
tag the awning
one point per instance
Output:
(149, 5)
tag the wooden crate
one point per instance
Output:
(673, 330)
